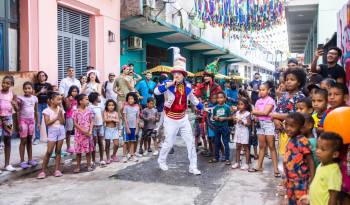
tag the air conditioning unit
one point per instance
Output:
(134, 43)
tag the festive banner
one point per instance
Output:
(343, 38)
(240, 15)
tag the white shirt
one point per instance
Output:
(110, 94)
(66, 83)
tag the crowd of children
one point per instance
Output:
(316, 163)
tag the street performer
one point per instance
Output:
(209, 87)
(177, 93)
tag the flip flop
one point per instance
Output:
(213, 161)
(254, 170)
(277, 175)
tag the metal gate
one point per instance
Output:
(73, 42)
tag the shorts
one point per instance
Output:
(56, 133)
(111, 133)
(69, 124)
(146, 134)
(97, 131)
(130, 137)
(266, 128)
(199, 129)
(211, 133)
(6, 121)
(26, 127)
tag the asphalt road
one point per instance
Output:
(144, 183)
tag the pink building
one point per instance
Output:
(50, 35)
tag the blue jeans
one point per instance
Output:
(41, 108)
(222, 132)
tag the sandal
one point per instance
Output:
(278, 175)
(41, 175)
(76, 170)
(90, 169)
(227, 162)
(213, 161)
(254, 170)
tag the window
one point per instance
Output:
(9, 32)
(156, 56)
(73, 42)
(2, 8)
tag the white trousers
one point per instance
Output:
(171, 129)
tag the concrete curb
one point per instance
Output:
(7, 176)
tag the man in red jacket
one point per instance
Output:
(209, 86)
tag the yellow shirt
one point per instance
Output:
(326, 178)
(316, 119)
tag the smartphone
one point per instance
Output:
(320, 46)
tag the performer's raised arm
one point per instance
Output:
(163, 87)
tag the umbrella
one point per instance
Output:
(221, 76)
(164, 69)
(199, 74)
(159, 69)
(236, 77)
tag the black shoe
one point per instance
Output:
(149, 150)
(140, 151)
(172, 151)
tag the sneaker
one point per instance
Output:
(163, 167)
(115, 158)
(36, 142)
(33, 163)
(58, 173)
(0, 171)
(172, 151)
(23, 165)
(102, 163)
(10, 168)
(137, 155)
(141, 151)
(155, 153)
(108, 161)
(245, 167)
(149, 150)
(125, 160)
(195, 171)
(134, 159)
(41, 175)
(235, 166)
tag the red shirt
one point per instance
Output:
(179, 106)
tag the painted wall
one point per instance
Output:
(38, 37)
(195, 60)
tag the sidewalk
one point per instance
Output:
(38, 153)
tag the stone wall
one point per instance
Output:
(20, 78)
(129, 8)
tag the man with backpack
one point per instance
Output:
(107, 88)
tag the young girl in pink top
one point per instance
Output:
(26, 121)
(54, 120)
(83, 123)
(7, 101)
(266, 128)
(71, 105)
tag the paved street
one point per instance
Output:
(144, 183)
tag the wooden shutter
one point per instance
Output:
(73, 41)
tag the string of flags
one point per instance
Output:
(240, 15)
